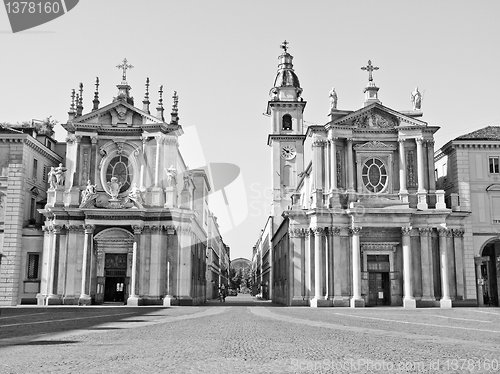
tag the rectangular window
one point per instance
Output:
(33, 208)
(33, 262)
(494, 165)
(35, 168)
(495, 208)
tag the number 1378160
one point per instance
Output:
(32, 7)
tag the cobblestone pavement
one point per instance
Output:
(246, 336)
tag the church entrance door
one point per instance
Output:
(378, 280)
(115, 271)
(378, 286)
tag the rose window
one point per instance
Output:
(374, 175)
(121, 168)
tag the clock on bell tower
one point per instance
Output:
(286, 108)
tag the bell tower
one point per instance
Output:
(286, 108)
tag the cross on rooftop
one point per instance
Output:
(124, 66)
(370, 68)
(284, 46)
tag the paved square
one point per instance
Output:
(247, 336)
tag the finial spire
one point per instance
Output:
(159, 108)
(174, 118)
(72, 112)
(146, 102)
(124, 66)
(79, 107)
(284, 46)
(96, 94)
(370, 68)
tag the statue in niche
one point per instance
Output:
(135, 194)
(188, 177)
(171, 176)
(416, 99)
(114, 187)
(60, 175)
(333, 99)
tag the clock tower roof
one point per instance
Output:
(286, 84)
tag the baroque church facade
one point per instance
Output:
(125, 220)
(362, 223)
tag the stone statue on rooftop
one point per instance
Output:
(416, 99)
(333, 99)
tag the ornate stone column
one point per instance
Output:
(327, 167)
(338, 300)
(157, 161)
(133, 298)
(408, 299)
(53, 297)
(458, 245)
(478, 261)
(356, 300)
(421, 193)
(297, 293)
(426, 263)
(93, 158)
(167, 300)
(350, 166)
(184, 265)
(445, 301)
(318, 168)
(334, 195)
(403, 192)
(319, 298)
(430, 170)
(85, 298)
(144, 140)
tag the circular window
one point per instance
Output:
(374, 175)
(121, 168)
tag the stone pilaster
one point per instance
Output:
(318, 169)
(134, 298)
(403, 192)
(408, 299)
(319, 297)
(85, 298)
(53, 296)
(184, 265)
(421, 193)
(426, 264)
(297, 236)
(458, 245)
(445, 301)
(356, 300)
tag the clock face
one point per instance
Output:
(288, 152)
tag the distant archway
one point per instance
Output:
(488, 273)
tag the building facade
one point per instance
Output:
(362, 223)
(27, 152)
(125, 220)
(467, 168)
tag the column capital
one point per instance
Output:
(335, 231)
(458, 233)
(318, 231)
(349, 140)
(57, 229)
(332, 139)
(443, 231)
(183, 229)
(137, 229)
(170, 230)
(89, 229)
(406, 230)
(318, 143)
(425, 231)
(297, 232)
(429, 143)
(78, 138)
(354, 230)
(94, 139)
(401, 141)
(419, 140)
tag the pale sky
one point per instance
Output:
(221, 58)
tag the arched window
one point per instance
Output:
(374, 175)
(121, 168)
(287, 122)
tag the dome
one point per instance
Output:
(286, 78)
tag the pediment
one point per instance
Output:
(374, 145)
(377, 116)
(118, 114)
